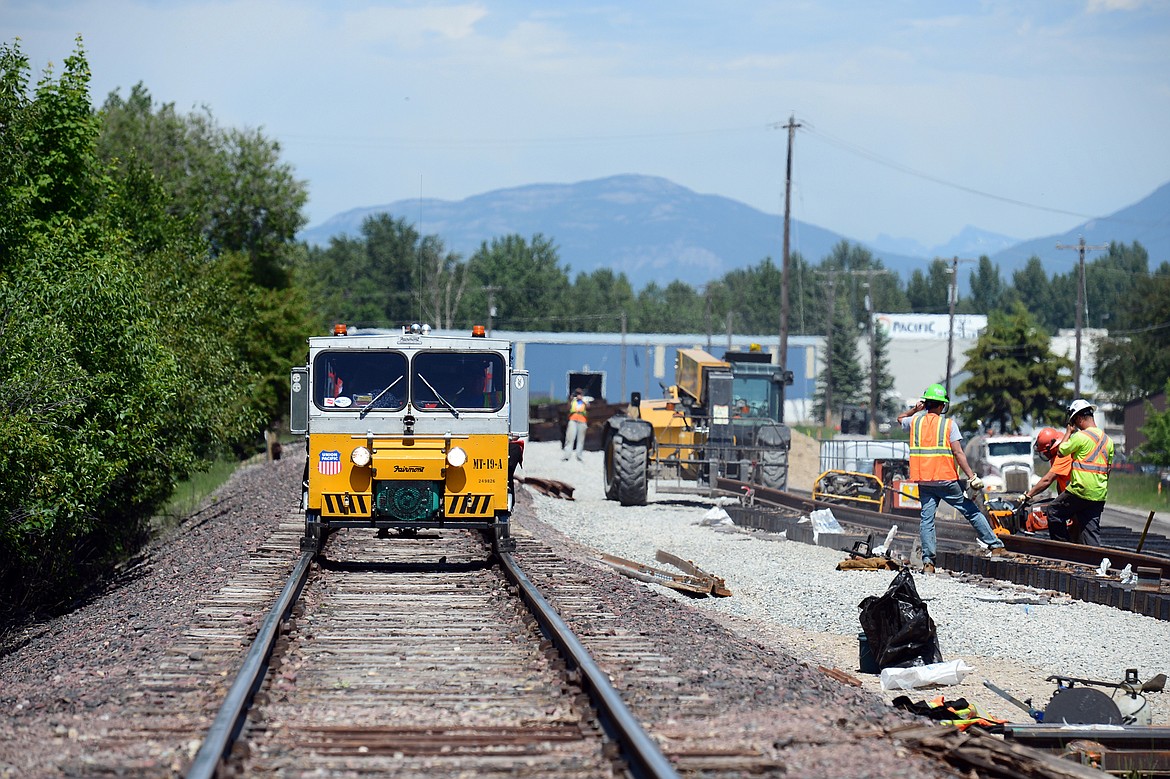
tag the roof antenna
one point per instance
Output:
(420, 249)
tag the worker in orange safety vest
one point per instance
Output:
(936, 453)
(1059, 472)
(578, 422)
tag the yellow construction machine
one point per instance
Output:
(721, 418)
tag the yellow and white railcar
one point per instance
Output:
(409, 430)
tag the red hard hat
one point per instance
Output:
(1046, 442)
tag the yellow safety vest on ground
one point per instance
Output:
(1092, 453)
(931, 458)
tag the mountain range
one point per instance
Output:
(655, 230)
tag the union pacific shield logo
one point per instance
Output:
(330, 463)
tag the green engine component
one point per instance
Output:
(408, 500)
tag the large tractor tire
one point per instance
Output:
(630, 461)
(610, 472)
(627, 459)
(774, 442)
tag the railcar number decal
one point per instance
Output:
(346, 503)
(468, 504)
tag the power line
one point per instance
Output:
(894, 165)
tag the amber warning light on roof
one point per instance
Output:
(339, 329)
(478, 331)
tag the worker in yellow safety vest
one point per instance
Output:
(1088, 484)
(936, 453)
(578, 421)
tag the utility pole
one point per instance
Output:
(1081, 303)
(954, 296)
(782, 357)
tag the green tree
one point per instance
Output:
(677, 308)
(988, 291)
(598, 300)
(228, 189)
(1036, 293)
(1015, 379)
(1156, 449)
(117, 366)
(369, 281)
(1134, 361)
(888, 405)
(930, 292)
(229, 184)
(843, 381)
(523, 281)
(444, 280)
(1112, 281)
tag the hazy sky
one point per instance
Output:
(919, 117)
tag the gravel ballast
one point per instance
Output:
(791, 593)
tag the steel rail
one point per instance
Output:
(230, 720)
(641, 752)
(951, 531)
(955, 541)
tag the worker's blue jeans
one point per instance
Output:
(930, 495)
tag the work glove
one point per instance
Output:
(976, 483)
(1024, 499)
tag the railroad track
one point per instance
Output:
(415, 657)
(1037, 562)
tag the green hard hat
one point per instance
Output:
(935, 392)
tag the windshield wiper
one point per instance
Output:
(446, 402)
(366, 408)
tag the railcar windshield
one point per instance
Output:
(467, 381)
(352, 380)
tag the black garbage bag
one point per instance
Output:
(898, 627)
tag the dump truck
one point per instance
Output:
(722, 418)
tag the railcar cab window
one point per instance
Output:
(355, 380)
(466, 381)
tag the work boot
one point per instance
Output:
(998, 551)
(928, 568)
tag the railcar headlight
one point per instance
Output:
(360, 456)
(456, 457)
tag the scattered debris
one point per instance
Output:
(718, 584)
(716, 517)
(868, 564)
(1026, 600)
(944, 673)
(983, 754)
(823, 522)
(694, 580)
(550, 487)
(864, 557)
(840, 676)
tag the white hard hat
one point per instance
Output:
(1079, 406)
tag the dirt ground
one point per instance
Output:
(803, 462)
